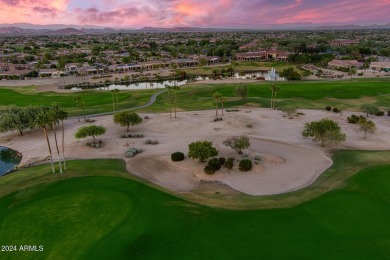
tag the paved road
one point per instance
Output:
(150, 102)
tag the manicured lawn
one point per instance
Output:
(96, 211)
(303, 94)
(309, 94)
(95, 101)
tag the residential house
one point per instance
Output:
(380, 66)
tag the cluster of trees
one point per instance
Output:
(290, 74)
(45, 117)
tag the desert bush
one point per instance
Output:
(249, 125)
(222, 160)
(336, 110)
(229, 163)
(131, 152)
(257, 158)
(177, 156)
(209, 169)
(328, 108)
(95, 144)
(388, 113)
(380, 113)
(202, 150)
(245, 165)
(214, 163)
(353, 119)
(128, 135)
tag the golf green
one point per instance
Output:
(93, 216)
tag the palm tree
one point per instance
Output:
(223, 100)
(274, 90)
(113, 101)
(62, 115)
(217, 97)
(168, 87)
(53, 117)
(116, 91)
(42, 119)
(77, 99)
(175, 88)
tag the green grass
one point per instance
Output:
(97, 211)
(305, 94)
(95, 101)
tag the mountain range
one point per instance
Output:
(62, 29)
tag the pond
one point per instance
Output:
(8, 160)
(141, 85)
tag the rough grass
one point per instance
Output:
(95, 212)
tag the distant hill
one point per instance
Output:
(61, 29)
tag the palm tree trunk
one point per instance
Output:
(63, 144)
(222, 108)
(58, 150)
(272, 99)
(170, 106)
(216, 108)
(274, 106)
(48, 145)
(113, 103)
(117, 102)
(175, 103)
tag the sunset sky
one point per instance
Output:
(202, 13)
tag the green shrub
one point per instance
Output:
(214, 163)
(245, 165)
(209, 169)
(177, 156)
(229, 163)
(222, 160)
(328, 108)
(336, 110)
(380, 113)
(353, 119)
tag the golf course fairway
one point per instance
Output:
(104, 215)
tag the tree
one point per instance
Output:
(126, 119)
(77, 100)
(370, 109)
(289, 110)
(241, 91)
(325, 131)
(366, 126)
(53, 114)
(341, 108)
(222, 100)
(290, 74)
(16, 118)
(62, 115)
(217, 96)
(237, 143)
(274, 90)
(42, 119)
(202, 150)
(90, 130)
(168, 87)
(351, 72)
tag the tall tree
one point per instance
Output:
(53, 115)
(77, 100)
(217, 96)
(42, 119)
(223, 100)
(62, 115)
(274, 90)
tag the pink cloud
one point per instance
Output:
(134, 13)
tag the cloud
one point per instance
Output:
(134, 13)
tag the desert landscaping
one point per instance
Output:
(274, 137)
